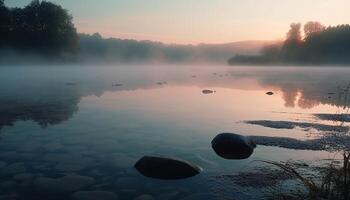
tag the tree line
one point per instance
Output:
(319, 45)
(47, 29)
(41, 26)
(44, 32)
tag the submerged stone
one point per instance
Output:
(53, 147)
(2, 164)
(269, 93)
(166, 168)
(94, 195)
(7, 185)
(262, 177)
(12, 169)
(127, 183)
(199, 196)
(233, 146)
(23, 176)
(66, 167)
(29, 147)
(66, 184)
(144, 197)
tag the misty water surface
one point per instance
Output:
(98, 121)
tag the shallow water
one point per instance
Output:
(96, 122)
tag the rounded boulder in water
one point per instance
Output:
(233, 146)
(166, 168)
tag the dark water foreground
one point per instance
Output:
(76, 133)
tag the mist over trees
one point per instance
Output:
(95, 48)
(319, 45)
(44, 31)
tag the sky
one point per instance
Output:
(198, 21)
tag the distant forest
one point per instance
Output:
(319, 45)
(43, 30)
(95, 48)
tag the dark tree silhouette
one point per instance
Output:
(5, 21)
(294, 34)
(40, 26)
(290, 48)
(319, 46)
(312, 28)
(43, 28)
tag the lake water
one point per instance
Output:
(68, 129)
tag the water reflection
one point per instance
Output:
(308, 87)
(45, 113)
(98, 127)
(48, 100)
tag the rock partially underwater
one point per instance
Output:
(166, 168)
(233, 146)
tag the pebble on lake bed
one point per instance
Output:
(2, 164)
(94, 195)
(166, 168)
(144, 197)
(233, 146)
(67, 184)
(199, 196)
(12, 169)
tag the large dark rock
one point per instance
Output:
(166, 168)
(233, 146)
